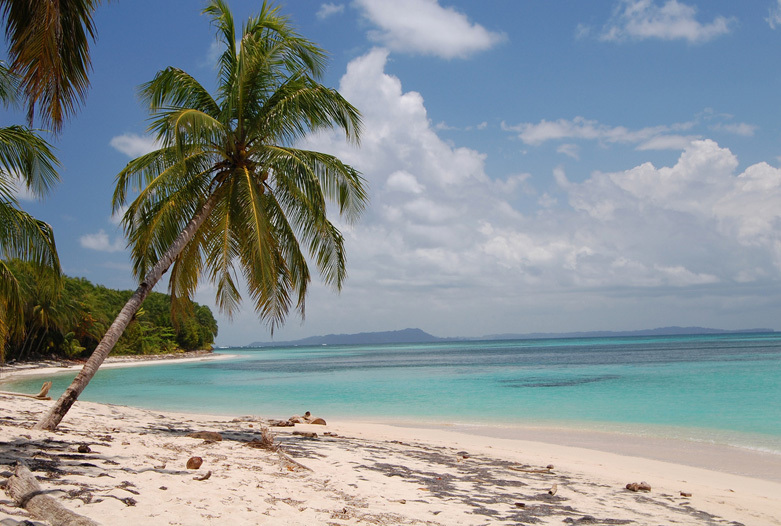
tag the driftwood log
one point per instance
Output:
(26, 493)
(42, 395)
(204, 477)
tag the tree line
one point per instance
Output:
(68, 321)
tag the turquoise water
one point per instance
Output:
(722, 389)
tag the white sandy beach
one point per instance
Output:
(366, 473)
(47, 368)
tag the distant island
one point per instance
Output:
(363, 338)
(420, 336)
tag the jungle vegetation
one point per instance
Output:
(69, 321)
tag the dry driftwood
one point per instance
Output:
(266, 440)
(290, 463)
(26, 493)
(43, 394)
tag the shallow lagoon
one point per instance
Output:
(723, 389)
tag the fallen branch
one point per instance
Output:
(43, 394)
(24, 489)
(290, 463)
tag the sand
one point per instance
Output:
(46, 368)
(363, 473)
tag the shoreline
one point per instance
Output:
(362, 473)
(723, 458)
(693, 452)
(669, 476)
(45, 367)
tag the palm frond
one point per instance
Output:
(265, 270)
(222, 19)
(10, 301)
(324, 242)
(317, 178)
(9, 85)
(49, 50)
(287, 233)
(183, 278)
(174, 88)
(28, 157)
(152, 225)
(223, 248)
(166, 167)
(271, 34)
(182, 128)
(300, 106)
(26, 238)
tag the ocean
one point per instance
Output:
(720, 389)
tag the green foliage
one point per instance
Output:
(69, 322)
(48, 44)
(26, 162)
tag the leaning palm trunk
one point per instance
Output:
(52, 419)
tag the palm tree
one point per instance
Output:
(26, 161)
(49, 50)
(48, 316)
(227, 192)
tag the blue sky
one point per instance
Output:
(533, 166)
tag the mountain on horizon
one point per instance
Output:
(363, 338)
(420, 336)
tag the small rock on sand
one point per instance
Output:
(194, 462)
(638, 486)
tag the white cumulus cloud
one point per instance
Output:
(328, 9)
(774, 15)
(738, 128)
(570, 150)
(100, 241)
(616, 243)
(649, 138)
(427, 28)
(672, 20)
(133, 145)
